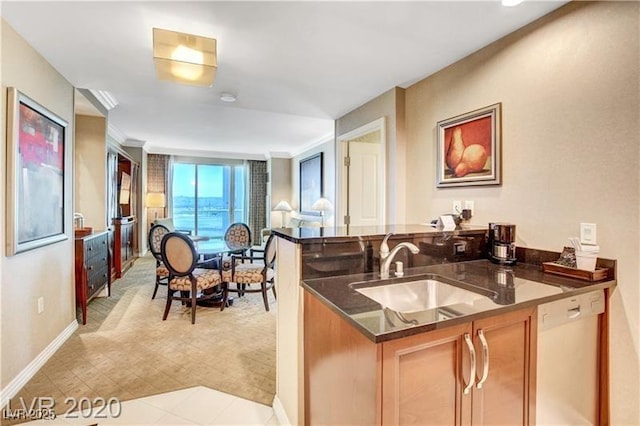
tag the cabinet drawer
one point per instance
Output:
(96, 279)
(95, 246)
(96, 262)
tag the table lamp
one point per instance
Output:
(156, 200)
(282, 207)
(322, 205)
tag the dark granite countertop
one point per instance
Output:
(496, 290)
(311, 234)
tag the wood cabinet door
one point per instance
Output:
(502, 391)
(423, 378)
(126, 242)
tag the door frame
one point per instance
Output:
(341, 170)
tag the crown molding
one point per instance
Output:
(135, 143)
(322, 140)
(105, 98)
(279, 154)
(116, 134)
(206, 154)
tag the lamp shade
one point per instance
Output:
(282, 206)
(322, 205)
(156, 200)
(184, 58)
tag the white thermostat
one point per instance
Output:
(588, 233)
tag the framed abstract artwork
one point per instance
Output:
(311, 184)
(36, 146)
(469, 147)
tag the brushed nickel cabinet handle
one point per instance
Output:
(485, 359)
(472, 362)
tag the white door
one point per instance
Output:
(365, 184)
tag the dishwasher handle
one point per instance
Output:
(573, 312)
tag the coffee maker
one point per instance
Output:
(501, 243)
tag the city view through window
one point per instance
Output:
(207, 198)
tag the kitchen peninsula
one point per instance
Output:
(339, 350)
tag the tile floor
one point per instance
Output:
(193, 406)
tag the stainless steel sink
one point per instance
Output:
(419, 295)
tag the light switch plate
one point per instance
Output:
(469, 204)
(588, 233)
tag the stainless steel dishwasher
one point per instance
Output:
(567, 370)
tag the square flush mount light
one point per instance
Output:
(184, 58)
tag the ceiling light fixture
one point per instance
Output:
(227, 97)
(511, 3)
(184, 58)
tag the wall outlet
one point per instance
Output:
(588, 233)
(40, 305)
(456, 207)
(469, 204)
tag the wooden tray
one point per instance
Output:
(581, 274)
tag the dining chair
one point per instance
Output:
(259, 270)
(185, 277)
(156, 233)
(237, 237)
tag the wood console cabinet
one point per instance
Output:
(92, 268)
(421, 379)
(124, 247)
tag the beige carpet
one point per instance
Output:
(126, 350)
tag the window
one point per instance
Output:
(207, 198)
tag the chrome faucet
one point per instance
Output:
(386, 256)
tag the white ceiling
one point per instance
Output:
(294, 66)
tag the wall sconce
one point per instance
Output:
(184, 58)
(322, 205)
(156, 200)
(282, 207)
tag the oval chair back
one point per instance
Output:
(270, 252)
(178, 254)
(156, 233)
(238, 237)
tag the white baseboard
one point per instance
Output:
(281, 415)
(32, 368)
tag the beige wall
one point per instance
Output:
(569, 87)
(91, 170)
(391, 106)
(47, 271)
(279, 188)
